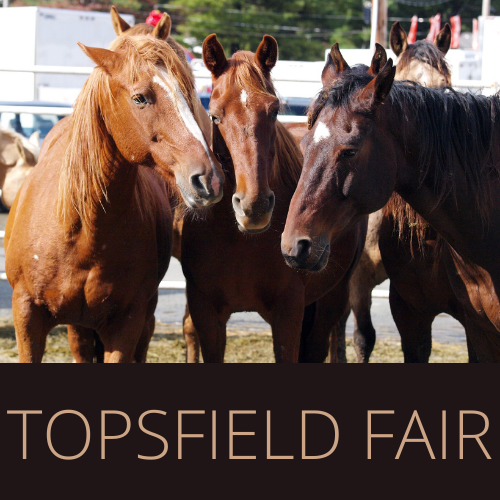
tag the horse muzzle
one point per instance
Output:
(304, 254)
(253, 216)
(204, 190)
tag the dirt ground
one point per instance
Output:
(249, 346)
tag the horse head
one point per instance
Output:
(147, 101)
(244, 109)
(422, 62)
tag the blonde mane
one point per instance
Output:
(91, 150)
(146, 29)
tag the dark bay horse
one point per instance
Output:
(231, 258)
(419, 288)
(89, 236)
(420, 60)
(369, 271)
(439, 150)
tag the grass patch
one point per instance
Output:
(167, 346)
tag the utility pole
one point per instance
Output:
(486, 7)
(379, 23)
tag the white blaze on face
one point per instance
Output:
(321, 132)
(244, 97)
(174, 93)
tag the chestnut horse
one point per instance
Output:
(443, 162)
(80, 346)
(236, 265)
(88, 238)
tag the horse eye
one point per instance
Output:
(348, 153)
(139, 99)
(274, 114)
(215, 119)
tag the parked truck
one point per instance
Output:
(48, 37)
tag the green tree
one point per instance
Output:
(303, 28)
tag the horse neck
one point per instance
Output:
(462, 228)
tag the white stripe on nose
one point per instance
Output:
(174, 93)
(244, 97)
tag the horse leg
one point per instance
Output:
(414, 327)
(364, 332)
(191, 338)
(121, 336)
(82, 342)
(210, 325)
(330, 309)
(286, 324)
(148, 330)
(337, 340)
(470, 348)
(32, 324)
(141, 350)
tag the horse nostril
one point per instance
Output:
(302, 250)
(237, 206)
(271, 202)
(198, 182)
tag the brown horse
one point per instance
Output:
(18, 156)
(443, 162)
(236, 265)
(412, 251)
(93, 252)
(411, 266)
(369, 271)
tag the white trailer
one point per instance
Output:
(48, 37)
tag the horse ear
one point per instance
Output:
(107, 59)
(335, 64)
(377, 90)
(25, 153)
(378, 61)
(119, 24)
(267, 54)
(213, 55)
(443, 39)
(162, 29)
(35, 139)
(398, 39)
